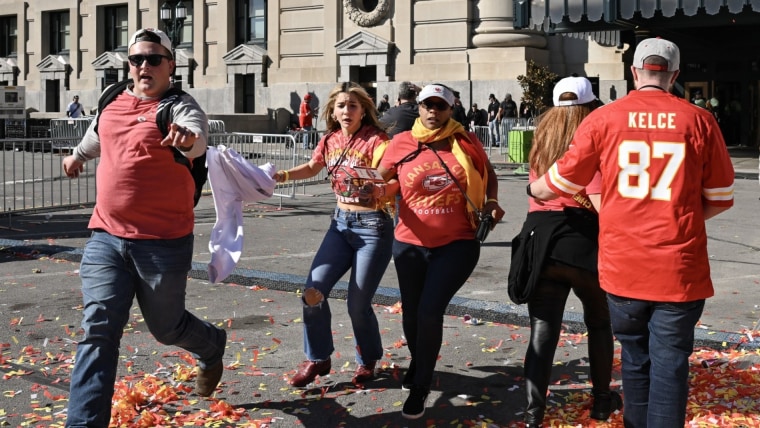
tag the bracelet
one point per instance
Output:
(284, 173)
(492, 200)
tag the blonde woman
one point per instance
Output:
(359, 237)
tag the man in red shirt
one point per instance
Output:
(142, 232)
(305, 115)
(665, 170)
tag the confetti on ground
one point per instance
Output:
(155, 385)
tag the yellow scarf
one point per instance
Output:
(476, 183)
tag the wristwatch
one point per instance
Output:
(527, 190)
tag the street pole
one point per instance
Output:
(173, 19)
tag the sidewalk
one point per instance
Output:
(478, 377)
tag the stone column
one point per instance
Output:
(496, 30)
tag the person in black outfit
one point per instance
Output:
(401, 117)
(526, 110)
(458, 112)
(507, 108)
(384, 105)
(493, 120)
(476, 116)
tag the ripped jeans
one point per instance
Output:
(360, 241)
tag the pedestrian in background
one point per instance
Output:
(74, 109)
(458, 112)
(142, 232)
(435, 249)
(507, 108)
(561, 237)
(665, 170)
(305, 120)
(383, 106)
(359, 237)
(493, 120)
(401, 117)
(476, 117)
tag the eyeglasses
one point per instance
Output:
(153, 59)
(438, 105)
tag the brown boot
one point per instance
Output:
(208, 379)
(364, 373)
(308, 371)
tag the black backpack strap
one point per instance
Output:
(164, 119)
(197, 166)
(108, 95)
(164, 109)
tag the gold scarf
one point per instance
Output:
(476, 182)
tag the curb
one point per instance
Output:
(505, 313)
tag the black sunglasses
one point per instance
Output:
(153, 59)
(438, 105)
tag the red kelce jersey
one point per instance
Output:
(661, 159)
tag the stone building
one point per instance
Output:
(251, 61)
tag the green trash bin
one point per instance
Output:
(519, 145)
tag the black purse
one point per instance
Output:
(484, 220)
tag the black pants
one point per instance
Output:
(545, 309)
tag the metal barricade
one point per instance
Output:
(482, 133)
(279, 149)
(306, 139)
(33, 180)
(67, 133)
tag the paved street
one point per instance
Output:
(478, 377)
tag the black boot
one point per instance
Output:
(538, 369)
(604, 404)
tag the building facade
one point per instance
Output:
(251, 61)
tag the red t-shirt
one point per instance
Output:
(580, 199)
(432, 210)
(143, 193)
(341, 154)
(661, 158)
(305, 115)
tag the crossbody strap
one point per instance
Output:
(459, 185)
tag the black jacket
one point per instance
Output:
(400, 118)
(568, 236)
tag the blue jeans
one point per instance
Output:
(493, 131)
(657, 339)
(306, 136)
(114, 271)
(360, 241)
(428, 278)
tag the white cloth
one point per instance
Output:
(233, 181)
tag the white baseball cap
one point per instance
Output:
(436, 90)
(580, 86)
(151, 35)
(657, 47)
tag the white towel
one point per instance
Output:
(233, 181)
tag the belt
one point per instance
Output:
(340, 213)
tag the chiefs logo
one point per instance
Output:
(436, 182)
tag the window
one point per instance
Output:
(60, 33)
(251, 26)
(8, 36)
(116, 28)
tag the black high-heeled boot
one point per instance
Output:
(600, 350)
(604, 404)
(538, 369)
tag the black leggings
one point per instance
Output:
(428, 279)
(546, 308)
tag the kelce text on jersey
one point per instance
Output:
(647, 120)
